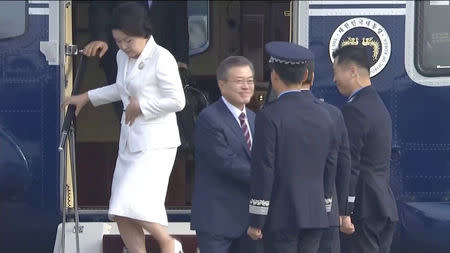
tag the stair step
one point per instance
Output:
(114, 244)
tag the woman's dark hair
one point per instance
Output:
(132, 19)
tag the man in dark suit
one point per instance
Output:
(370, 132)
(293, 159)
(170, 30)
(223, 140)
(339, 214)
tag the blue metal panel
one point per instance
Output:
(29, 161)
(420, 131)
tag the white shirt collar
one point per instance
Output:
(234, 110)
(353, 95)
(288, 91)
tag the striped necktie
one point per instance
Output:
(245, 130)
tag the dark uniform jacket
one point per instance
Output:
(342, 176)
(222, 173)
(369, 129)
(291, 177)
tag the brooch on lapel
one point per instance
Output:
(141, 65)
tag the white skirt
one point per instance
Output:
(139, 184)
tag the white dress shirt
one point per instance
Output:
(236, 112)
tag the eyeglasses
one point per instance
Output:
(241, 82)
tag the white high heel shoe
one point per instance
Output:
(178, 247)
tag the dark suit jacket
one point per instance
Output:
(222, 173)
(169, 22)
(370, 134)
(294, 138)
(342, 175)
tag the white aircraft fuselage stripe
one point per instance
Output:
(354, 2)
(358, 12)
(38, 11)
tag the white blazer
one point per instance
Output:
(155, 82)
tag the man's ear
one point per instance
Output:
(354, 70)
(305, 76)
(274, 76)
(221, 84)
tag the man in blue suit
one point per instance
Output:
(223, 140)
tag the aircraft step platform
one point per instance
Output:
(114, 244)
(104, 237)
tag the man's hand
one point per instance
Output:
(93, 48)
(346, 225)
(254, 233)
(133, 111)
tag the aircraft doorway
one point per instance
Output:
(217, 30)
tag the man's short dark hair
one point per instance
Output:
(230, 62)
(355, 54)
(132, 19)
(290, 74)
(310, 68)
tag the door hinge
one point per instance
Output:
(72, 49)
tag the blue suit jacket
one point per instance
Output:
(222, 173)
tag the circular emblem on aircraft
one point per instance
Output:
(365, 32)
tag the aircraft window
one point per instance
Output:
(198, 22)
(12, 19)
(432, 47)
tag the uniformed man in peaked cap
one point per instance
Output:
(293, 159)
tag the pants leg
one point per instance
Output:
(363, 240)
(109, 64)
(280, 242)
(209, 243)
(309, 240)
(371, 236)
(245, 244)
(330, 243)
(386, 236)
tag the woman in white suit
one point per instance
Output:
(150, 88)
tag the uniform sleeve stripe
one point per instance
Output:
(259, 210)
(259, 202)
(328, 203)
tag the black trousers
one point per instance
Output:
(303, 241)
(371, 236)
(330, 243)
(210, 243)
(109, 64)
